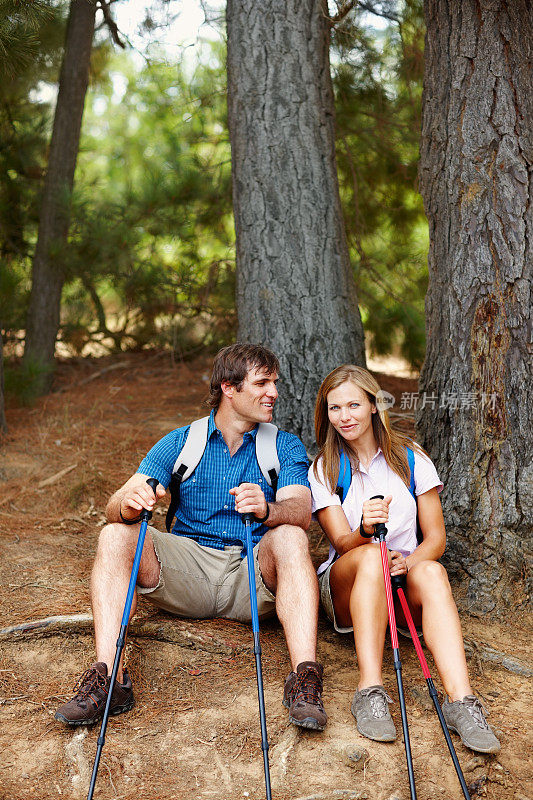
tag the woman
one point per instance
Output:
(348, 417)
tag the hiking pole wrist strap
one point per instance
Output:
(263, 519)
(128, 521)
(362, 531)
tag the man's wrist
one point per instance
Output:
(125, 520)
(263, 519)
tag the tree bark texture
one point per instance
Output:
(476, 180)
(48, 269)
(295, 289)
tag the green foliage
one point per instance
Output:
(24, 133)
(24, 381)
(20, 23)
(150, 257)
(378, 91)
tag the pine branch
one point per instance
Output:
(111, 24)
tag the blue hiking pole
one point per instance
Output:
(247, 519)
(145, 516)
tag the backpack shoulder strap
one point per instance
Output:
(411, 463)
(193, 449)
(188, 459)
(345, 476)
(267, 453)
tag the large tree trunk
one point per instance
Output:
(295, 290)
(476, 179)
(48, 271)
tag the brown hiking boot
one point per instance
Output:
(288, 689)
(303, 695)
(88, 704)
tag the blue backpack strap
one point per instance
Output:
(345, 476)
(411, 463)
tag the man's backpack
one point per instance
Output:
(345, 478)
(193, 450)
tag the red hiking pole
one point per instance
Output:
(381, 531)
(398, 582)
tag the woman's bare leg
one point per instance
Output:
(431, 601)
(357, 589)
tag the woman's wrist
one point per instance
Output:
(362, 531)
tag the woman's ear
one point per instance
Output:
(373, 408)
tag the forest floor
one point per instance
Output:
(194, 731)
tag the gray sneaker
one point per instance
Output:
(467, 718)
(371, 711)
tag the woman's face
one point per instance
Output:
(350, 412)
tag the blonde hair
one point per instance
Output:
(331, 443)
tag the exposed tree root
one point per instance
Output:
(181, 632)
(189, 634)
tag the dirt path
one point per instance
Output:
(194, 731)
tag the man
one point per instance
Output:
(198, 570)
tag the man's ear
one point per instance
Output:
(227, 389)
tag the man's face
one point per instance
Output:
(255, 400)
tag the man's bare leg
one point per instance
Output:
(109, 584)
(288, 572)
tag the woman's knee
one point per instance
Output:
(367, 562)
(429, 576)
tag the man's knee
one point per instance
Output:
(116, 540)
(288, 543)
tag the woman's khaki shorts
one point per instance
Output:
(327, 601)
(201, 582)
(327, 605)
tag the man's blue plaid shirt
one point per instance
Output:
(206, 511)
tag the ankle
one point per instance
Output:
(364, 683)
(460, 693)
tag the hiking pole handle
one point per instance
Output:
(145, 513)
(397, 582)
(379, 528)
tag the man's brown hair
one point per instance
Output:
(232, 364)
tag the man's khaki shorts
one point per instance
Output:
(201, 582)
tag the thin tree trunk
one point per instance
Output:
(295, 290)
(48, 269)
(477, 183)
(3, 423)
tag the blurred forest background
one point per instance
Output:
(150, 258)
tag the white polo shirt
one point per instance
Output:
(379, 479)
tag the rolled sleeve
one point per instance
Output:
(293, 461)
(426, 476)
(159, 461)
(322, 497)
